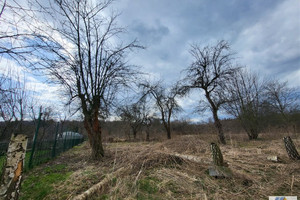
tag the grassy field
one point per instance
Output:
(149, 171)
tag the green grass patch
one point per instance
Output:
(77, 146)
(55, 168)
(39, 186)
(114, 182)
(2, 160)
(148, 185)
(104, 197)
(2, 163)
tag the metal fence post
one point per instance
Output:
(55, 140)
(34, 139)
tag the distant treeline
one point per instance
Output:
(272, 123)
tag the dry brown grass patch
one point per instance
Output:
(154, 171)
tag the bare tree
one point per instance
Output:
(282, 99)
(78, 47)
(210, 71)
(13, 101)
(246, 91)
(6, 104)
(135, 114)
(165, 100)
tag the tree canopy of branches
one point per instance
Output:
(165, 100)
(246, 91)
(13, 101)
(210, 71)
(282, 99)
(79, 47)
(16, 35)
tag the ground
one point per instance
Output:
(151, 170)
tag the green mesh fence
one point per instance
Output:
(48, 149)
(44, 150)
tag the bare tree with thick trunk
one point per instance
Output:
(79, 47)
(210, 71)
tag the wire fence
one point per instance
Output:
(49, 149)
(41, 151)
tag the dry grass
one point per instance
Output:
(152, 172)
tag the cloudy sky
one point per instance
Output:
(265, 34)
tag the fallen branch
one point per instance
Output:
(191, 158)
(99, 186)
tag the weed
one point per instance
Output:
(114, 182)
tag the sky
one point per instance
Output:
(264, 34)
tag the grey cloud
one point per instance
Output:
(150, 34)
(272, 43)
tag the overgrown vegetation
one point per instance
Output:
(152, 173)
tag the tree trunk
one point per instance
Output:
(93, 129)
(216, 154)
(148, 134)
(251, 125)
(251, 131)
(134, 133)
(12, 172)
(219, 127)
(220, 168)
(167, 126)
(252, 134)
(290, 148)
(217, 122)
(169, 132)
